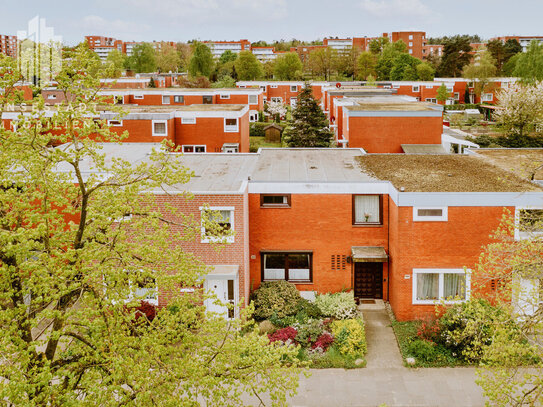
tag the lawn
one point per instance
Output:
(256, 142)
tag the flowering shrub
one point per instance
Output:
(285, 335)
(323, 342)
(337, 305)
(309, 333)
(350, 337)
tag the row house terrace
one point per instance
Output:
(285, 92)
(404, 228)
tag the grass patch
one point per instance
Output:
(256, 142)
(333, 359)
(426, 353)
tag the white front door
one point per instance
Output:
(224, 291)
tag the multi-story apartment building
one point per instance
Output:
(104, 45)
(415, 41)
(524, 41)
(8, 45)
(219, 47)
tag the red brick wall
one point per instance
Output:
(140, 131)
(321, 223)
(386, 134)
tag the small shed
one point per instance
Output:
(272, 133)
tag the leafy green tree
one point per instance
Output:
(480, 71)
(227, 56)
(529, 64)
(268, 68)
(167, 58)
(143, 58)
(367, 62)
(346, 62)
(225, 82)
(512, 47)
(201, 61)
(386, 60)
(185, 53)
(377, 45)
(309, 125)
(509, 67)
(443, 94)
(497, 50)
(248, 68)
(425, 72)
(321, 62)
(404, 68)
(116, 61)
(70, 259)
(455, 56)
(288, 67)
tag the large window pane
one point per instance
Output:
(298, 267)
(366, 209)
(274, 267)
(427, 286)
(454, 285)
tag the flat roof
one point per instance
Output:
(443, 173)
(309, 165)
(525, 162)
(396, 106)
(181, 108)
(423, 149)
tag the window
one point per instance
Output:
(231, 125)
(277, 99)
(293, 88)
(395, 86)
(456, 95)
(415, 88)
(487, 97)
(529, 223)
(188, 120)
(51, 96)
(207, 100)
(144, 289)
(410, 44)
(179, 99)
(225, 96)
(215, 222)
(367, 209)
(432, 285)
(431, 100)
(115, 123)
(410, 51)
(194, 149)
(253, 116)
(430, 214)
(450, 88)
(165, 99)
(429, 86)
(273, 86)
(160, 128)
(253, 99)
(274, 201)
(410, 36)
(293, 102)
(138, 96)
(291, 266)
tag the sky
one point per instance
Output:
(183, 20)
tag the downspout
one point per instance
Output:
(388, 244)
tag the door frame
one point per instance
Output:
(208, 282)
(380, 273)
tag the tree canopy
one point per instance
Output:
(201, 61)
(143, 58)
(77, 248)
(288, 67)
(529, 64)
(481, 70)
(248, 68)
(116, 62)
(455, 56)
(167, 58)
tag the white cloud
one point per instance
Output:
(186, 12)
(396, 8)
(115, 28)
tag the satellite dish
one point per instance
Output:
(338, 85)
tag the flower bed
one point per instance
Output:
(329, 332)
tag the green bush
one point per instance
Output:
(427, 352)
(308, 308)
(275, 298)
(266, 327)
(257, 129)
(337, 305)
(308, 333)
(349, 337)
(285, 321)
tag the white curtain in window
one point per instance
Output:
(272, 271)
(366, 208)
(454, 285)
(427, 286)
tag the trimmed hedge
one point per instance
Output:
(275, 298)
(257, 129)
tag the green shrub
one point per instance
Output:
(349, 337)
(308, 309)
(309, 333)
(266, 327)
(428, 352)
(257, 129)
(337, 305)
(275, 297)
(285, 321)
(461, 106)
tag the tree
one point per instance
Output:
(346, 62)
(143, 58)
(497, 50)
(377, 45)
(443, 94)
(185, 53)
(309, 125)
(70, 258)
(167, 58)
(388, 56)
(480, 71)
(201, 61)
(512, 372)
(227, 56)
(455, 56)
(225, 82)
(425, 72)
(366, 65)
(520, 113)
(321, 61)
(512, 47)
(248, 68)
(115, 61)
(268, 67)
(404, 68)
(288, 67)
(529, 64)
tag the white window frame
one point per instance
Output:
(193, 146)
(276, 99)
(111, 121)
(224, 96)
(487, 97)
(273, 86)
(138, 96)
(524, 235)
(420, 218)
(294, 88)
(188, 120)
(415, 88)
(253, 99)
(431, 100)
(456, 96)
(132, 296)
(153, 122)
(396, 86)
(176, 98)
(169, 99)
(231, 128)
(51, 96)
(429, 86)
(212, 239)
(441, 285)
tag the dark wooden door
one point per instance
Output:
(368, 280)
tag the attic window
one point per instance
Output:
(275, 201)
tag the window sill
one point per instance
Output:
(366, 225)
(291, 281)
(275, 206)
(217, 240)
